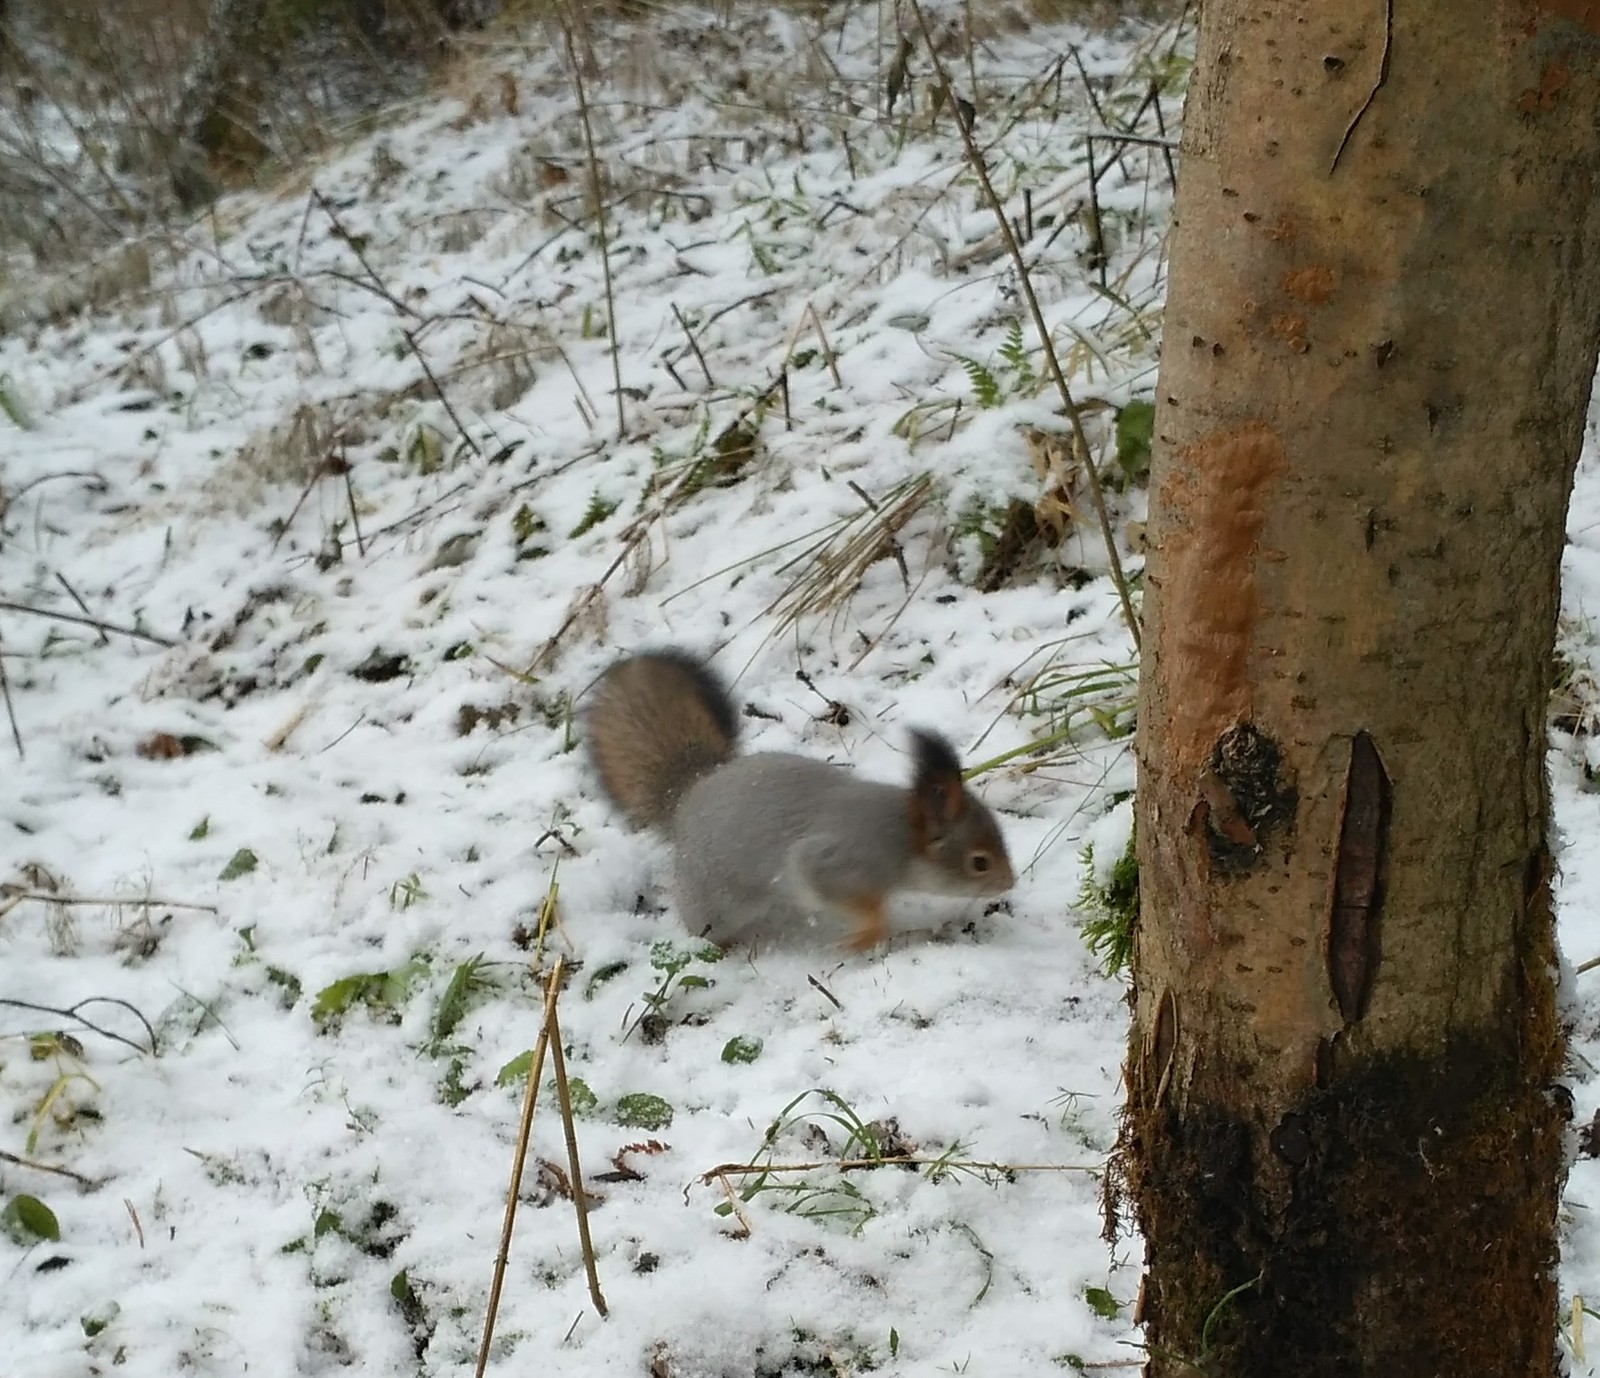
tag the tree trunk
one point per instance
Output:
(1344, 1133)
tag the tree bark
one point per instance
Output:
(1344, 1134)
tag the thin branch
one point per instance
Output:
(71, 1012)
(354, 245)
(1074, 416)
(908, 1160)
(134, 632)
(111, 901)
(440, 394)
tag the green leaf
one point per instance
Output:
(241, 863)
(585, 1102)
(93, 1322)
(200, 829)
(894, 1342)
(1102, 1303)
(464, 982)
(598, 510)
(26, 1220)
(606, 973)
(451, 1090)
(516, 1070)
(1136, 428)
(641, 1110)
(741, 1049)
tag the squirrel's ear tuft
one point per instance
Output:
(936, 780)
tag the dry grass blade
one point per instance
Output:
(11, 712)
(87, 1183)
(508, 1224)
(601, 230)
(580, 1198)
(832, 570)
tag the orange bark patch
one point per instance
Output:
(1552, 82)
(1215, 502)
(1584, 12)
(1291, 330)
(1312, 284)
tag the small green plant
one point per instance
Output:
(597, 511)
(1109, 908)
(529, 530)
(673, 961)
(1102, 1303)
(1136, 427)
(639, 1110)
(466, 981)
(382, 992)
(407, 891)
(1014, 376)
(241, 863)
(57, 1105)
(836, 1199)
(95, 1321)
(740, 1049)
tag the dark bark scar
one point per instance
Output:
(1358, 878)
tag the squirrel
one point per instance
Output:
(772, 840)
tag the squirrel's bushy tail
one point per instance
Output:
(659, 721)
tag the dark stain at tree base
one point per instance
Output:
(1276, 1251)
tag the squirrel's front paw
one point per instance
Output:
(871, 924)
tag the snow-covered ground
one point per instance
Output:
(355, 453)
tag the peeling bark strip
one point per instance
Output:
(1358, 876)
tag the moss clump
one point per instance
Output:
(1109, 908)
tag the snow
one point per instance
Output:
(269, 1182)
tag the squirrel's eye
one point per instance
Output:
(978, 863)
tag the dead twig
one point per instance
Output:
(439, 392)
(109, 901)
(908, 1160)
(83, 607)
(694, 345)
(71, 1012)
(134, 632)
(87, 1183)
